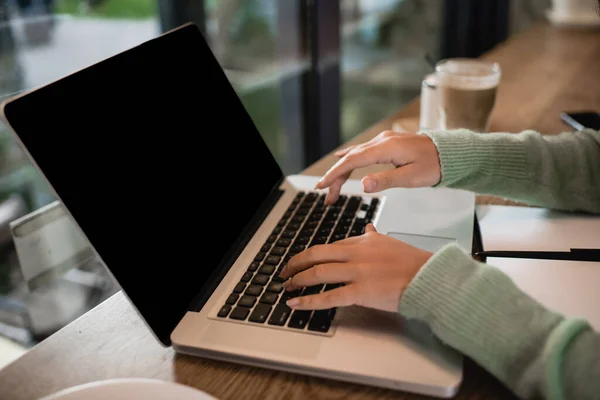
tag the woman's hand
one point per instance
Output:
(375, 268)
(414, 156)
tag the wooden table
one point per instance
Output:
(545, 71)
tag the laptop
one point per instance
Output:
(159, 165)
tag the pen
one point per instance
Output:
(574, 254)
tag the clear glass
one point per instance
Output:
(467, 91)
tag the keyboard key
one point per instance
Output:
(239, 313)
(340, 201)
(269, 298)
(299, 319)
(266, 269)
(253, 266)
(247, 301)
(260, 256)
(341, 230)
(261, 313)
(336, 237)
(282, 222)
(323, 232)
(311, 224)
(274, 287)
(374, 203)
(353, 203)
(239, 288)
(319, 240)
(307, 232)
(260, 279)
(283, 242)
(278, 251)
(331, 215)
(273, 260)
(312, 196)
(288, 234)
(271, 238)
(327, 225)
(302, 240)
(280, 315)
(297, 248)
(233, 297)
(224, 311)
(246, 277)
(302, 211)
(289, 295)
(254, 290)
(356, 231)
(315, 216)
(321, 320)
(266, 247)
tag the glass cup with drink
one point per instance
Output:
(466, 93)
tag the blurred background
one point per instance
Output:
(311, 74)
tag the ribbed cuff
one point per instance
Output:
(467, 157)
(477, 309)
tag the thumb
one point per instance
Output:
(404, 176)
(370, 228)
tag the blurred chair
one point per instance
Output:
(61, 277)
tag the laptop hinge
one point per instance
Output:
(234, 252)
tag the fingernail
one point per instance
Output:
(369, 184)
(292, 302)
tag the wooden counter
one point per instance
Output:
(545, 71)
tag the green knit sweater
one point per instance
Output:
(475, 307)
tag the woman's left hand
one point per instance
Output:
(375, 269)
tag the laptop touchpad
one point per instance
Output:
(428, 243)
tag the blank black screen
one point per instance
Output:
(155, 157)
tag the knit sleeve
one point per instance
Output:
(478, 310)
(553, 171)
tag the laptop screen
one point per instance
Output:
(157, 160)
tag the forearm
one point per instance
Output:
(477, 309)
(552, 171)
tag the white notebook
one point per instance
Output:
(568, 287)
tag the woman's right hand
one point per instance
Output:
(414, 157)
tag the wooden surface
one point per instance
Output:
(545, 71)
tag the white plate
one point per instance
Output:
(127, 389)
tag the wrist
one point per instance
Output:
(468, 159)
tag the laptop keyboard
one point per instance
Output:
(259, 298)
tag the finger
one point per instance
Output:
(344, 151)
(358, 158)
(320, 274)
(333, 193)
(319, 254)
(340, 297)
(408, 175)
(370, 228)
